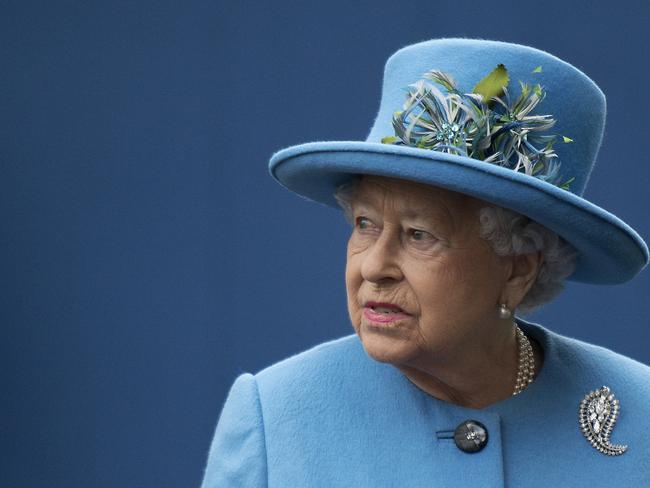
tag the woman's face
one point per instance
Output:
(418, 247)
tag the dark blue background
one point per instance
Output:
(148, 258)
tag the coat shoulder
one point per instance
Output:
(329, 359)
(599, 366)
(322, 382)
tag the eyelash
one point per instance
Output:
(359, 220)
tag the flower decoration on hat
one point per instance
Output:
(488, 124)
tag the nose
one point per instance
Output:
(380, 261)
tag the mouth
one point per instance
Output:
(383, 314)
(384, 308)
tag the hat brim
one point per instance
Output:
(610, 251)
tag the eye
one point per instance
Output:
(420, 235)
(362, 223)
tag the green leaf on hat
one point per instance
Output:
(567, 183)
(389, 139)
(567, 139)
(492, 85)
(537, 70)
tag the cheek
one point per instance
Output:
(353, 282)
(435, 287)
(456, 287)
(354, 258)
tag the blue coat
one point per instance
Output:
(334, 417)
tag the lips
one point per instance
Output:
(384, 314)
(384, 307)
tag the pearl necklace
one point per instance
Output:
(526, 368)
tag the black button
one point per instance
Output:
(471, 436)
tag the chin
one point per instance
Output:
(385, 348)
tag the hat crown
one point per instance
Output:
(572, 98)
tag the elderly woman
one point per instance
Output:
(465, 208)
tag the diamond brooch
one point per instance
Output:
(598, 414)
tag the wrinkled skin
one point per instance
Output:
(418, 247)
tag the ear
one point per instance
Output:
(523, 271)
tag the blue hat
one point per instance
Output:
(474, 116)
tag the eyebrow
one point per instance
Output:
(410, 212)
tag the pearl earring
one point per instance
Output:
(504, 312)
